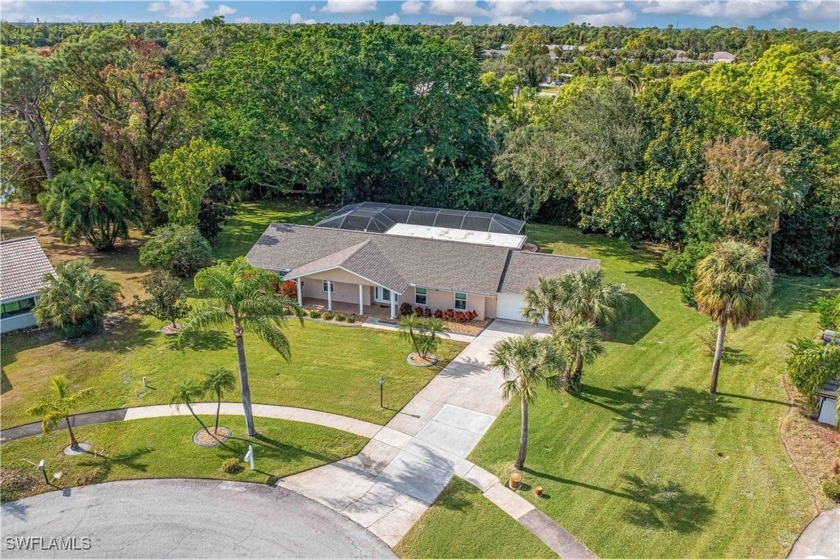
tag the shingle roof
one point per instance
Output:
(23, 266)
(525, 269)
(364, 259)
(298, 250)
(443, 265)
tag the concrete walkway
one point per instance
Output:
(820, 539)
(341, 422)
(402, 470)
(375, 323)
(537, 522)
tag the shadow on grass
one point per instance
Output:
(104, 464)
(210, 340)
(5, 383)
(284, 451)
(634, 324)
(656, 506)
(658, 413)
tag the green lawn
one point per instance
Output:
(333, 368)
(462, 523)
(645, 460)
(163, 447)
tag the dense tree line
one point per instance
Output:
(172, 120)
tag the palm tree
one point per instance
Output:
(217, 382)
(591, 299)
(186, 393)
(630, 74)
(526, 363)
(242, 295)
(76, 300)
(423, 333)
(409, 328)
(60, 406)
(578, 342)
(547, 300)
(733, 286)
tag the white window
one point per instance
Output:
(328, 286)
(419, 295)
(382, 295)
(461, 301)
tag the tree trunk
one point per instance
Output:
(718, 356)
(523, 437)
(74, 444)
(203, 426)
(769, 246)
(578, 374)
(243, 379)
(218, 408)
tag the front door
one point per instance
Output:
(381, 295)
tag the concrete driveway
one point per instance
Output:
(821, 539)
(181, 518)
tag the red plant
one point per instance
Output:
(427, 313)
(288, 289)
(418, 310)
(405, 308)
(438, 313)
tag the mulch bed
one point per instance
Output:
(202, 438)
(170, 330)
(416, 361)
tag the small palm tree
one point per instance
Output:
(423, 333)
(242, 295)
(76, 300)
(579, 342)
(60, 406)
(630, 74)
(546, 300)
(217, 382)
(526, 363)
(186, 393)
(591, 299)
(733, 286)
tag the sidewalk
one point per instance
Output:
(374, 323)
(821, 538)
(402, 470)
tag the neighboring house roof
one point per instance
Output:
(392, 261)
(525, 269)
(378, 217)
(365, 260)
(23, 266)
(723, 56)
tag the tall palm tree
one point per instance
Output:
(60, 406)
(579, 342)
(733, 286)
(217, 382)
(546, 300)
(186, 393)
(76, 300)
(243, 296)
(630, 74)
(526, 363)
(591, 299)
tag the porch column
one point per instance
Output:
(329, 295)
(299, 292)
(393, 305)
(361, 300)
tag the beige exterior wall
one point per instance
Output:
(443, 300)
(489, 307)
(342, 291)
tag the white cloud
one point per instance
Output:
(587, 8)
(296, 19)
(178, 9)
(455, 8)
(622, 17)
(313, 8)
(244, 19)
(411, 7)
(224, 10)
(12, 10)
(510, 20)
(392, 19)
(730, 9)
(349, 6)
(819, 10)
(463, 20)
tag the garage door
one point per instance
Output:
(509, 307)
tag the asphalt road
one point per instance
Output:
(180, 518)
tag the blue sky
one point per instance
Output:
(811, 14)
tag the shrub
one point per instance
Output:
(178, 248)
(351, 319)
(166, 301)
(449, 315)
(289, 290)
(828, 309)
(405, 309)
(340, 317)
(438, 314)
(832, 489)
(232, 466)
(427, 312)
(328, 316)
(315, 314)
(418, 311)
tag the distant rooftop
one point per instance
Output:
(23, 266)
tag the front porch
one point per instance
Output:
(376, 310)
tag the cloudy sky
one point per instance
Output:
(811, 14)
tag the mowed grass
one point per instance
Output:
(645, 461)
(333, 368)
(163, 447)
(463, 523)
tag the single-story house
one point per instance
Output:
(23, 268)
(722, 56)
(385, 255)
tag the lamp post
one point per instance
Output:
(381, 382)
(42, 465)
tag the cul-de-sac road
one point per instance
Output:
(183, 518)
